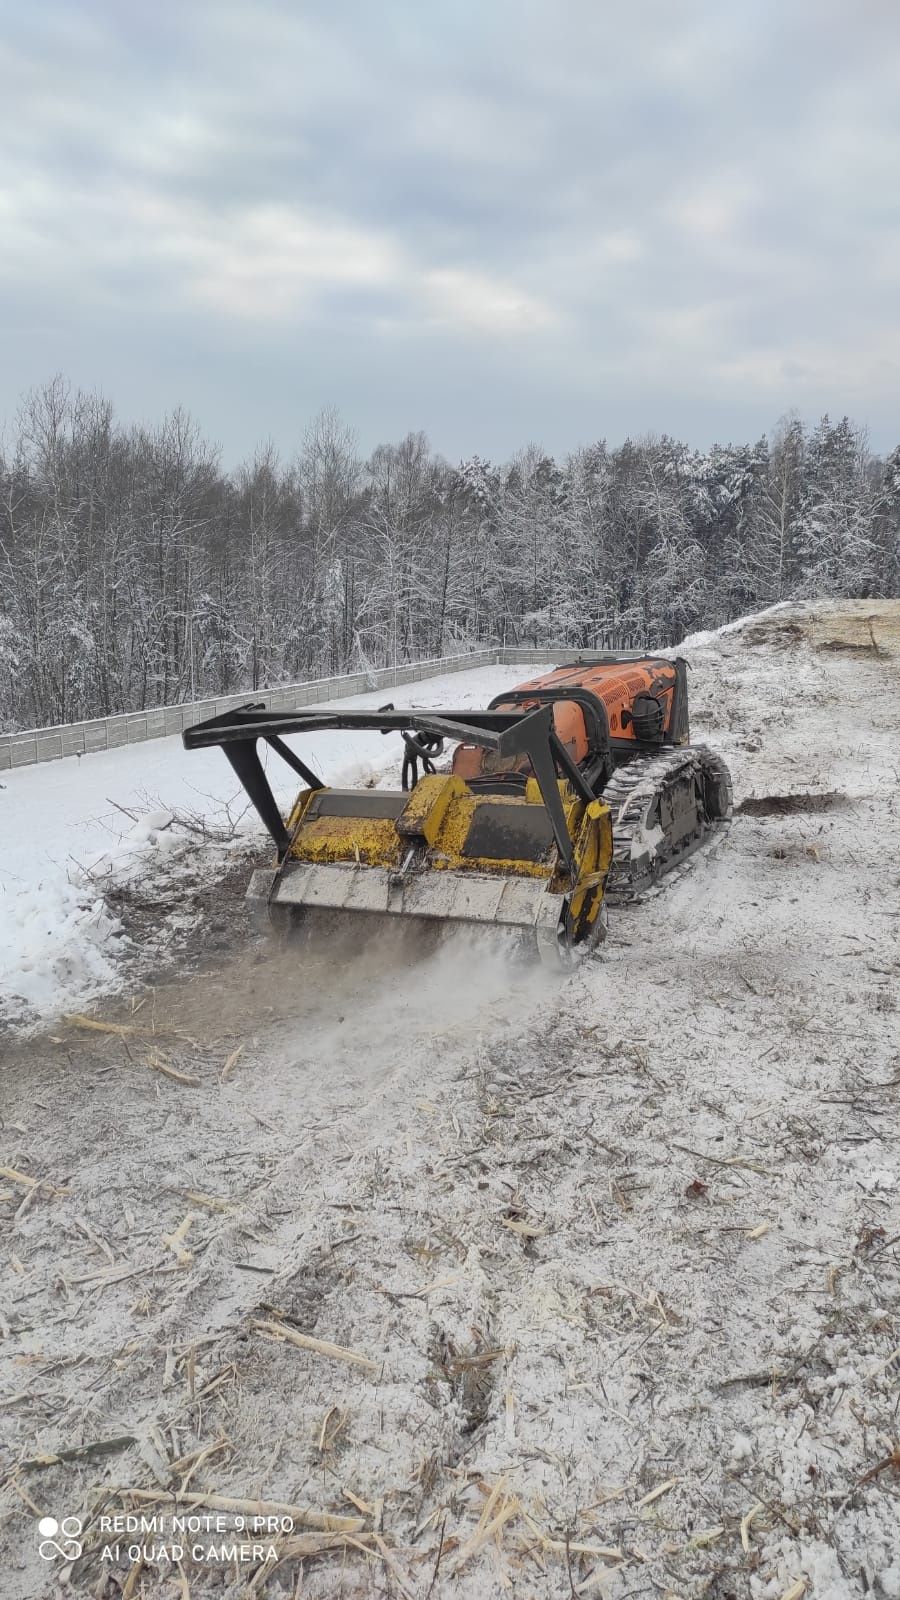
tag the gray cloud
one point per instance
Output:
(548, 221)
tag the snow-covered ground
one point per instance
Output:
(67, 828)
(623, 1252)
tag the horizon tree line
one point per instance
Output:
(136, 571)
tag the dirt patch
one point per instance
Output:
(183, 920)
(861, 628)
(774, 631)
(873, 648)
(791, 805)
(864, 629)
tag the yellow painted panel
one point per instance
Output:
(440, 812)
(426, 808)
(374, 841)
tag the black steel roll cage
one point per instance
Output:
(509, 733)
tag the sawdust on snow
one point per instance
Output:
(493, 1285)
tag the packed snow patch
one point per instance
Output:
(55, 943)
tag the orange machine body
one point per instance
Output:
(608, 694)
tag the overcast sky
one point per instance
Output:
(503, 221)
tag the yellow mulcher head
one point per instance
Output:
(447, 849)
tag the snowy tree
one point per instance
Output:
(135, 571)
(834, 524)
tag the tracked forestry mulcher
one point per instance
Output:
(575, 788)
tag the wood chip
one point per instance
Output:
(483, 1358)
(401, 1578)
(320, 1347)
(175, 1241)
(133, 1579)
(661, 1489)
(195, 1458)
(122, 1029)
(726, 1161)
(796, 1590)
(21, 1178)
(442, 1283)
(745, 1525)
(757, 1232)
(706, 1537)
(326, 1521)
(298, 1547)
(361, 1505)
(79, 1452)
(231, 1063)
(487, 1530)
(210, 1201)
(883, 1365)
(23, 1494)
(25, 1181)
(187, 1078)
(525, 1230)
(600, 1552)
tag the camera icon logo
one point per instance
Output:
(67, 1532)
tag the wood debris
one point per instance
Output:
(25, 1181)
(133, 1579)
(525, 1230)
(321, 1347)
(750, 1517)
(490, 1522)
(306, 1516)
(231, 1063)
(175, 1241)
(442, 1283)
(157, 1063)
(705, 1537)
(185, 1466)
(121, 1029)
(655, 1494)
(304, 1546)
(726, 1161)
(893, 1460)
(210, 1201)
(79, 1452)
(579, 1547)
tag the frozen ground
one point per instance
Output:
(622, 1252)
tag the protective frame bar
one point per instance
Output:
(509, 733)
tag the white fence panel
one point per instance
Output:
(108, 733)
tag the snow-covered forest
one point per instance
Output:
(136, 571)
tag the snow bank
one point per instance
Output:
(706, 637)
(54, 946)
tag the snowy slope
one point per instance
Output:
(58, 944)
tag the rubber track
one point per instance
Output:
(630, 794)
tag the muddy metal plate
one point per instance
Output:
(356, 803)
(509, 833)
(509, 902)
